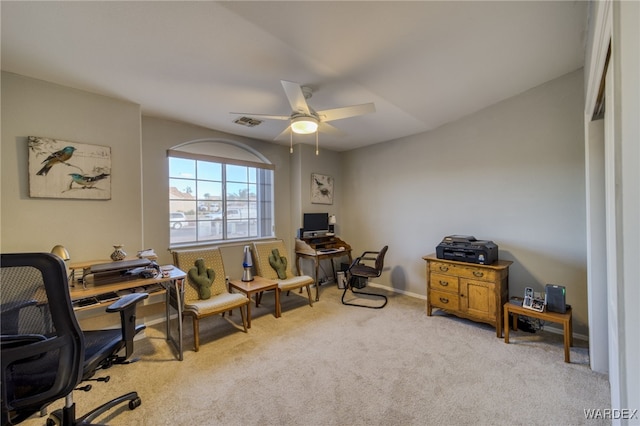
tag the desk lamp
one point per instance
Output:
(247, 264)
(332, 223)
(63, 254)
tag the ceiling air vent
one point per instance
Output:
(247, 121)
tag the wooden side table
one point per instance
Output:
(258, 285)
(564, 319)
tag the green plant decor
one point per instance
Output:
(203, 277)
(278, 263)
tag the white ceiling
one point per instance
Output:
(423, 64)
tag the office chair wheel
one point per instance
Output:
(135, 403)
(55, 418)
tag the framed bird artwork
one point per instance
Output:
(321, 189)
(63, 169)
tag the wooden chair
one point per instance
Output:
(261, 252)
(221, 299)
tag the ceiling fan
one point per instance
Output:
(305, 120)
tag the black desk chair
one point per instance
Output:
(44, 353)
(359, 273)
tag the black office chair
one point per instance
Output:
(44, 353)
(359, 273)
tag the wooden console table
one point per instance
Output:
(173, 285)
(319, 248)
(564, 319)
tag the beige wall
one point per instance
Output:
(304, 163)
(512, 173)
(88, 229)
(159, 135)
(292, 184)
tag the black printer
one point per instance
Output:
(465, 248)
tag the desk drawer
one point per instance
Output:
(444, 300)
(443, 282)
(471, 271)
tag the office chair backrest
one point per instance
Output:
(41, 342)
(380, 259)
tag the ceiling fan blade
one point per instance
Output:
(329, 129)
(296, 97)
(265, 116)
(346, 112)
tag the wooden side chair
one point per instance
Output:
(262, 250)
(221, 299)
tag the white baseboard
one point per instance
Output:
(559, 331)
(395, 290)
(550, 329)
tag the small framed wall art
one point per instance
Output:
(62, 169)
(321, 189)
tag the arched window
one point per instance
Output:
(219, 191)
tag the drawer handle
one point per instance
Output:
(444, 268)
(444, 300)
(478, 273)
(444, 283)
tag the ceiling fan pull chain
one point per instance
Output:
(317, 142)
(290, 140)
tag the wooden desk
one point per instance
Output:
(319, 248)
(564, 319)
(258, 285)
(173, 285)
(85, 266)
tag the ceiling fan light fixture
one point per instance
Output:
(304, 125)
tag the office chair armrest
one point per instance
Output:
(11, 314)
(363, 257)
(16, 306)
(126, 305)
(17, 340)
(125, 301)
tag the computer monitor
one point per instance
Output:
(315, 222)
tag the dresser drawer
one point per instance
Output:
(444, 300)
(443, 282)
(470, 271)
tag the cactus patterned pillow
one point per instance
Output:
(278, 263)
(203, 277)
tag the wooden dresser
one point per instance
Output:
(468, 290)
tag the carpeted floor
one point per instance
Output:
(332, 364)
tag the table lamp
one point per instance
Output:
(247, 264)
(63, 254)
(332, 223)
